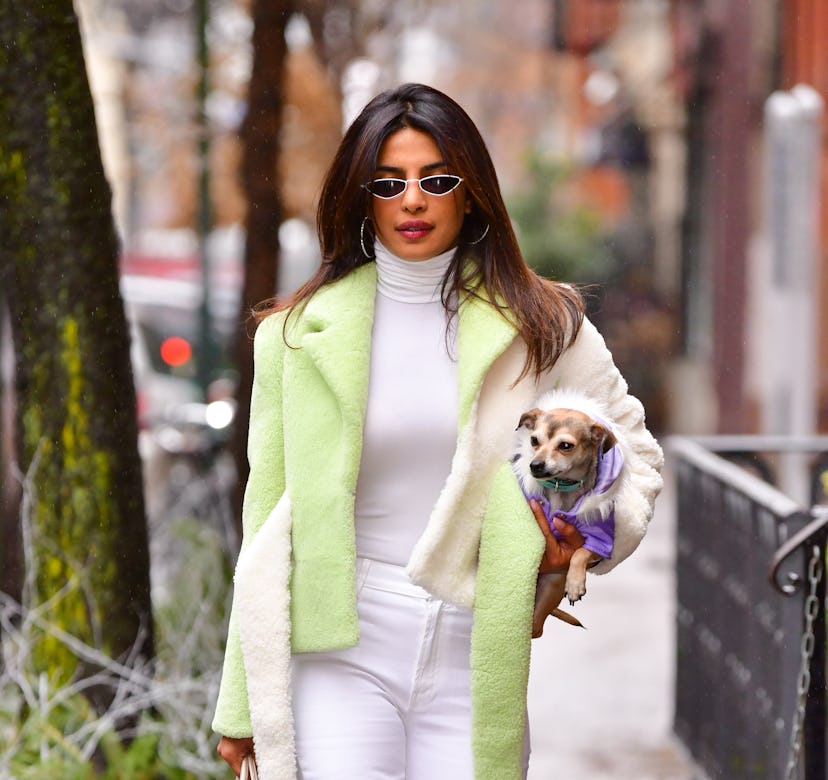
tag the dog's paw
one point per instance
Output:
(575, 588)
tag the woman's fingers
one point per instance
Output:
(572, 537)
(558, 553)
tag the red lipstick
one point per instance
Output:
(414, 229)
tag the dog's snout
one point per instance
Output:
(538, 468)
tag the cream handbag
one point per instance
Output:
(248, 768)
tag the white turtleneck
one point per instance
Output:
(411, 419)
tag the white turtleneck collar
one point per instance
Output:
(410, 281)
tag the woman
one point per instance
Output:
(382, 613)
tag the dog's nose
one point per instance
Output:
(538, 468)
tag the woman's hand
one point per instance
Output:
(233, 751)
(558, 551)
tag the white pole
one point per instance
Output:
(792, 162)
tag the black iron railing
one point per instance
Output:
(750, 674)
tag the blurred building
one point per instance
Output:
(730, 56)
(654, 109)
(804, 60)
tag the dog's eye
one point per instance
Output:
(533, 440)
(566, 446)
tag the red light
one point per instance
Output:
(176, 351)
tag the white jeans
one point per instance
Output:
(396, 706)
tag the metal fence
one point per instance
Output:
(750, 674)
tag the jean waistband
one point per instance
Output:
(388, 576)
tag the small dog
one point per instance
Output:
(568, 459)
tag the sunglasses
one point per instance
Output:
(440, 184)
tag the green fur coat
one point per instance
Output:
(295, 579)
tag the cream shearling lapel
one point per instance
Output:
(263, 599)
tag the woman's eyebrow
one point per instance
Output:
(392, 169)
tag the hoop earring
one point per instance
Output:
(362, 239)
(485, 233)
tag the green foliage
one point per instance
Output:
(141, 759)
(49, 729)
(559, 240)
(45, 752)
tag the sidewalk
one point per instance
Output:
(601, 699)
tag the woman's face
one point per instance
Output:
(416, 225)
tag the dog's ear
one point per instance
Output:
(528, 419)
(603, 437)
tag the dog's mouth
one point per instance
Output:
(540, 470)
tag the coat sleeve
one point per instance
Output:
(587, 366)
(265, 485)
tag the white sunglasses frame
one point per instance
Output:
(419, 181)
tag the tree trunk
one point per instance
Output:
(76, 431)
(261, 137)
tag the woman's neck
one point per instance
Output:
(410, 281)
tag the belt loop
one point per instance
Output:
(363, 567)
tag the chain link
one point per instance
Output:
(812, 605)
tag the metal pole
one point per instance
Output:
(204, 220)
(792, 156)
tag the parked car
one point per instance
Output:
(162, 314)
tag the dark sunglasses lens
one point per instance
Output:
(440, 185)
(386, 188)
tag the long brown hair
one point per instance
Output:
(547, 314)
